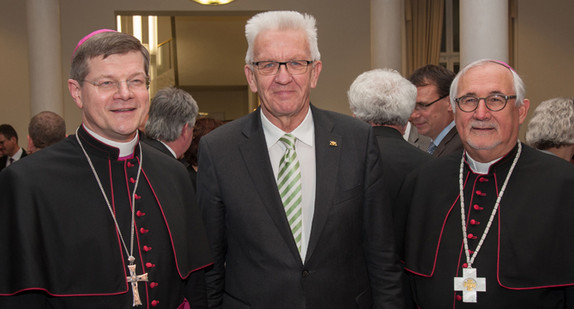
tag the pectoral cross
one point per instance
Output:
(134, 279)
(469, 284)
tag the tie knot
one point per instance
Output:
(288, 140)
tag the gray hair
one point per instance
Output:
(281, 20)
(519, 88)
(383, 97)
(170, 110)
(552, 124)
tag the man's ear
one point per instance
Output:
(76, 92)
(250, 76)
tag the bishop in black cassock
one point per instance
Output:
(522, 197)
(60, 246)
(527, 255)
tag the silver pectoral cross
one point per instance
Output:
(469, 284)
(134, 279)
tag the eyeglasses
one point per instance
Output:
(494, 102)
(422, 106)
(294, 67)
(138, 83)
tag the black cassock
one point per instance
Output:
(60, 246)
(528, 253)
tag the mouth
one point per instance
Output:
(123, 110)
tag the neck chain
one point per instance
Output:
(129, 252)
(470, 259)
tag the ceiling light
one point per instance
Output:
(213, 2)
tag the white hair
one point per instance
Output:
(281, 20)
(552, 124)
(383, 97)
(519, 88)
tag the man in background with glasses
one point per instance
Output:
(292, 196)
(101, 220)
(490, 228)
(10, 152)
(433, 115)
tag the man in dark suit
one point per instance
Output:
(385, 100)
(433, 116)
(9, 150)
(169, 127)
(334, 248)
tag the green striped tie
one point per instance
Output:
(289, 185)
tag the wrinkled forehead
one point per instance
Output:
(489, 77)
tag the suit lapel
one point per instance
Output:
(327, 153)
(256, 157)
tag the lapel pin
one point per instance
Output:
(333, 143)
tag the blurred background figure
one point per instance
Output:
(551, 128)
(202, 127)
(10, 152)
(45, 128)
(170, 122)
(433, 115)
(385, 100)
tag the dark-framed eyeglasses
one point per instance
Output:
(294, 67)
(422, 106)
(494, 102)
(137, 83)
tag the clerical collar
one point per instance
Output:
(126, 149)
(479, 167)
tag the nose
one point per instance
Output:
(123, 90)
(481, 111)
(283, 76)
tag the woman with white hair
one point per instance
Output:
(551, 128)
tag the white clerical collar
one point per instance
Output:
(126, 149)
(304, 132)
(479, 167)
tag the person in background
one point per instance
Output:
(385, 100)
(202, 126)
(551, 128)
(109, 222)
(433, 114)
(490, 228)
(45, 128)
(170, 122)
(292, 196)
(9, 148)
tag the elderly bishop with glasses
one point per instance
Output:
(490, 228)
(100, 220)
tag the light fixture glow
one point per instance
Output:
(213, 2)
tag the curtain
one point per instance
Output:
(424, 23)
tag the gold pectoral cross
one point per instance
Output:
(134, 279)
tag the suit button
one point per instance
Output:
(305, 273)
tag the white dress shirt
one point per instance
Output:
(305, 148)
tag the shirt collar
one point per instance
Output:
(443, 133)
(304, 132)
(18, 154)
(126, 149)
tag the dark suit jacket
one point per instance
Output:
(351, 260)
(399, 158)
(163, 148)
(3, 159)
(449, 144)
